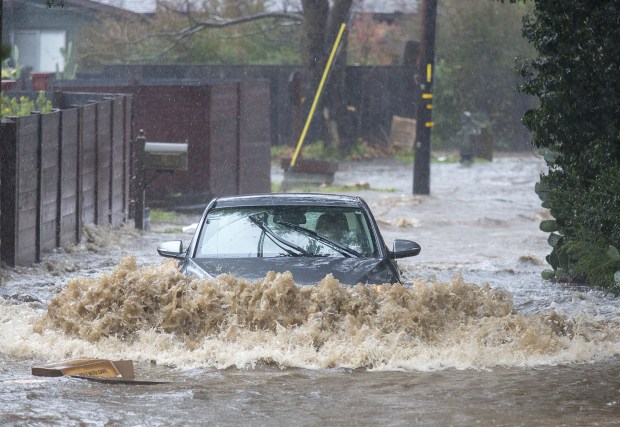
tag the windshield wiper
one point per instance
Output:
(277, 239)
(344, 250)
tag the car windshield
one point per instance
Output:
(285, 231)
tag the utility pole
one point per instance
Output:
(426, 63)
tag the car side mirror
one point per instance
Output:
(172, 249)
(404, 248)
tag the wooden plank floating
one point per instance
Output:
(98, 370)
(87, 367)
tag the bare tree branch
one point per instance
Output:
(214, 22)
(217, 22)
(178, 21)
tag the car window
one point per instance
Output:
(285, 231)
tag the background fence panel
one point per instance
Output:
(254, 138)
(117, 178)
(223, 148)
(176, 112)
(103, 162)
(50, 131)
(127, 156)
(3, 131)
(28, 151)
(69, 179)
(88, 163)
(207, 115)
(8, 168)
(20, 188)
(376, 92)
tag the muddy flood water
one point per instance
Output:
(473, 337)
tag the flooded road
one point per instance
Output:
(475, 336)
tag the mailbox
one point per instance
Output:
(165, 156)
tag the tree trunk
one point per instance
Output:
(321, 27)
(316, 13)
(339, 125)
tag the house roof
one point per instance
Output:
(75, 5)
(376, 6)
(135, 6)
(390, 6)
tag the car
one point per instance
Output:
(309, 235)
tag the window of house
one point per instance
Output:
(41, 49)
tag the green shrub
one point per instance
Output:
(24, 106)
(576, 127)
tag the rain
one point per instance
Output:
(151, 111)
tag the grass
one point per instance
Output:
(276, 188)
(362, 151)
(159, 215)
(174, 230)
(355, 187)
(452, 157)
(319, 150)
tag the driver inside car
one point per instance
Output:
(334, 226)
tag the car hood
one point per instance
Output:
(305, 270)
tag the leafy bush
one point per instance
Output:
(12, 69)
(24, 106)
(577, 128)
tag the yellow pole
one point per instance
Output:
(317, 95)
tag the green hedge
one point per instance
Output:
(577, 128)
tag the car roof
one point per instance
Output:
(287, 199)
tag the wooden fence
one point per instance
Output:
(62, 170)
(374, 94)
(225, 124)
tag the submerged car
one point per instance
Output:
(310, 235)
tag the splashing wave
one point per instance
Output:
(156, 313)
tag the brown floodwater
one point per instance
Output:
(474, 336)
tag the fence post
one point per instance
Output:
(1, 138)
(140, 177)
